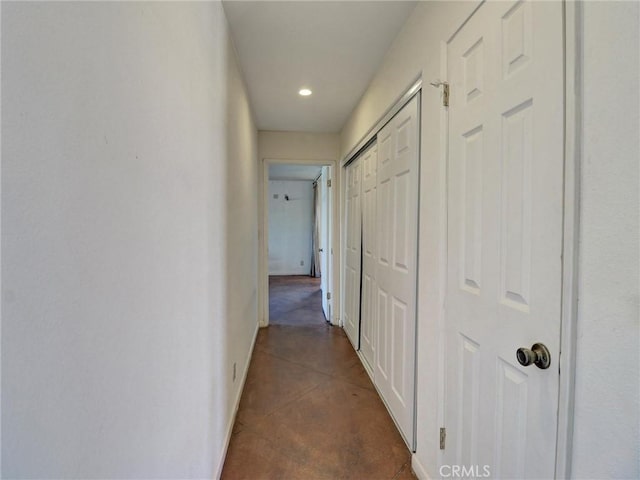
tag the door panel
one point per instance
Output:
(504, 237)
(369, 284)
(396, 272)
(353, 224)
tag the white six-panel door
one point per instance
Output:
(396, 272)
(504, 237)
(353, 251)
(368, 332)
(381, 225)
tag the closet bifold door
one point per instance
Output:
(353, 252)
(396, 266)
(368, 317)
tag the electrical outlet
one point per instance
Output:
(234, 371)
(302, 263)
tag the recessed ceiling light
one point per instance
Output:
(305, 92)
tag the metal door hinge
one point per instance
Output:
(443, 437)
(329, 183)
(445, 94)
(328, 295)
(445, 91)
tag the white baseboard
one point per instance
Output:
(236, 404)
(418, 468)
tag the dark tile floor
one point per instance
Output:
(309, 410)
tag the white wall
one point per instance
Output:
(298, 146)
(607, 406)
(240, 293)
(290, 227)
(606, 430)
(128, 239)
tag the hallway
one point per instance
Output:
(308, 409)
(499, 215)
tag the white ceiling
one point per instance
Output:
(280, 171)
(333, 48)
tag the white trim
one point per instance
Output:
(572, 76)
(418, 468)
(263, 235)
(1, 397)
(236, 404)
(416, 334)
(443, 253)
(343, 244)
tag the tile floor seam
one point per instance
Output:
(283, 450)
(307, 366)
(304, 392)
(335, 427)
(342, 379)
(249, 428)
(298, 396)
(307, 393)
(284, 360)
(402, 469)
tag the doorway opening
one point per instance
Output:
(297, 243)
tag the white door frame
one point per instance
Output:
(322, 224)
(263, 234)
(571, 228)
(572, 11)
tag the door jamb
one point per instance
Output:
(572, 13)
(263, 236)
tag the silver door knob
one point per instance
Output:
(538, 355)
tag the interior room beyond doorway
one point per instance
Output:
(298, 224)
(295, 300)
